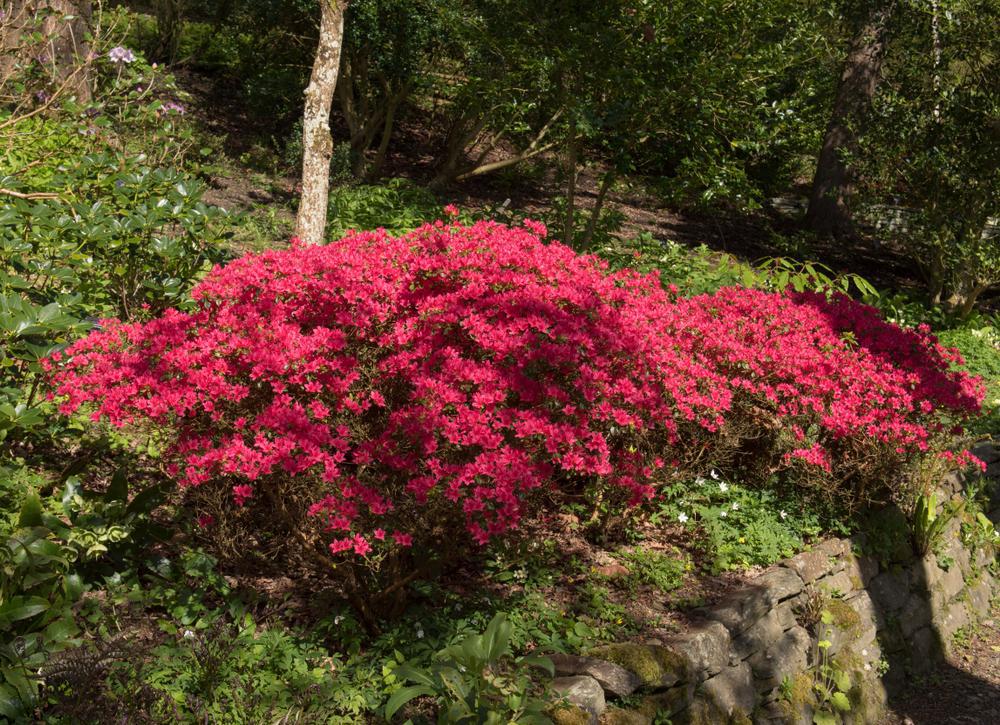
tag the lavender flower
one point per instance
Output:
(118, 54)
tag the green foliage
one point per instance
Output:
(979, 345)
(231, 671)
(37, 591)
(477, 680)
(930, 159)
(928, 525)
(832, 683)
(739, 527)
(977, 530)
(120, 235)
(887, 536)
(43, 564)
(663, 571)
(398, 206)
(700, 270)
(118, 238)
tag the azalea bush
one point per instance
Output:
(381, 392)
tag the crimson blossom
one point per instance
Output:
(466, 369)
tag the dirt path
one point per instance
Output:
(965, 690)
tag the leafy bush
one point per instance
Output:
(232, 671)
(42, 563)
(655, 568)
(739, 527)
(470, 684)
(693, 271)
(979, 346)
(379, 390)
(397, 206)
(36, 593)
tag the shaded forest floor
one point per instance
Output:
(963, 691)
(254, 178)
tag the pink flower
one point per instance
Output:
(361, 545)
(451, 210)
(242, 493)
(478, 367)
(205, 520)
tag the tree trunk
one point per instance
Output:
(169, 17)
(60, 44)
(829, 202)
(571, 160)
(595, 213)
(317, 144)
(463, 131)
(375, 169)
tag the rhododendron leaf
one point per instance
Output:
(118, 488)
(31, 511)
(543, 663)
(146, 500)
(20, 607)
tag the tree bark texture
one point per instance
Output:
(63, 50)
(317, 144)
(829, 211)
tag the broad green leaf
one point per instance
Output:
(841, 702)
(31, 511)
(19, 608)
(404, 695)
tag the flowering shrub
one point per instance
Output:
(462, 372)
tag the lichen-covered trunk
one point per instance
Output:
(310, 223)
(829, 211)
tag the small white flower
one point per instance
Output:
(714, 474)
(723, 486)
(736, 507)
(338, 619)
(724, 514)
(867, 667)
(188, 634)
(783, 515)
(864, 653)
(420, 634)
(461, 668)
(700, 481)
(683, 518)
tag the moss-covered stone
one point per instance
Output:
(569, 715)
(798, 695)
(655, 665)
(844, 616)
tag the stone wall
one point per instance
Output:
(862, 613)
